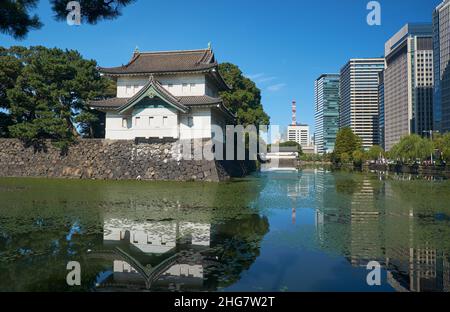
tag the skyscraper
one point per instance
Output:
(408, 83)
(359, 98)
(326, 91)
(441, 37)
(381, 123)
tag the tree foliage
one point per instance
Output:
(92, 10)
(47, 99)
(442, 145)
(244, 99)
(17, 20)
(412, 148)
(375, 152)
(347, 143)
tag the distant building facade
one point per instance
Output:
(359, 102)
(441, 45)
(326, 96)
(381, 123)
(300, 134)
(408, 83)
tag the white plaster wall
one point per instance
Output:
(158, 122)
(201, 127)
(114, 129)
(134, 86)
(176, 124)
(164, 124)
(194, 85)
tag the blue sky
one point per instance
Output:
(283, 45)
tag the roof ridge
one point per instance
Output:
(174, 51)
(133, 59)
(206, 57)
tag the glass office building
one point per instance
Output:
(359, 102)
(408, 83)
(381, 125)
(441, 43)
(326, 89)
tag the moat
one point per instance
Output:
(311, 230)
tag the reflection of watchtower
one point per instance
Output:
(136, 241)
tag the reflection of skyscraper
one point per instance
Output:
(446, 273)
(366, 240)
(331, 216)
(413, 263)
(417, 269)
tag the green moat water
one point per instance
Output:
(311, 230)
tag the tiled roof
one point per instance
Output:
(199, 100)
(108, 103)
(114, 103)
(165, 62)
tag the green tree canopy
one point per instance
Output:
(346, 144)
(442, 144)
(412, 148)
(17, 20)
(49, 95)
(375, 152)
(359, 157)
(244, 99)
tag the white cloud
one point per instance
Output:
(276, 87)
(261, 78)
(266, 79)
(255, 76)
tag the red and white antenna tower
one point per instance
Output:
(294, 113)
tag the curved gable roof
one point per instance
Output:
(153, 89)
(165, 62)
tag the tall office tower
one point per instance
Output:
(381, 124)
(441, 37)
(359, 98)
(326, 91)
(408, 83)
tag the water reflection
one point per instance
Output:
(178, 256)
(390, 222)
(309, 230)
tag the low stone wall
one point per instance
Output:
(419, 170)
(117, 160)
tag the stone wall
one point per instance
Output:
(117, 160)
(417, 170)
